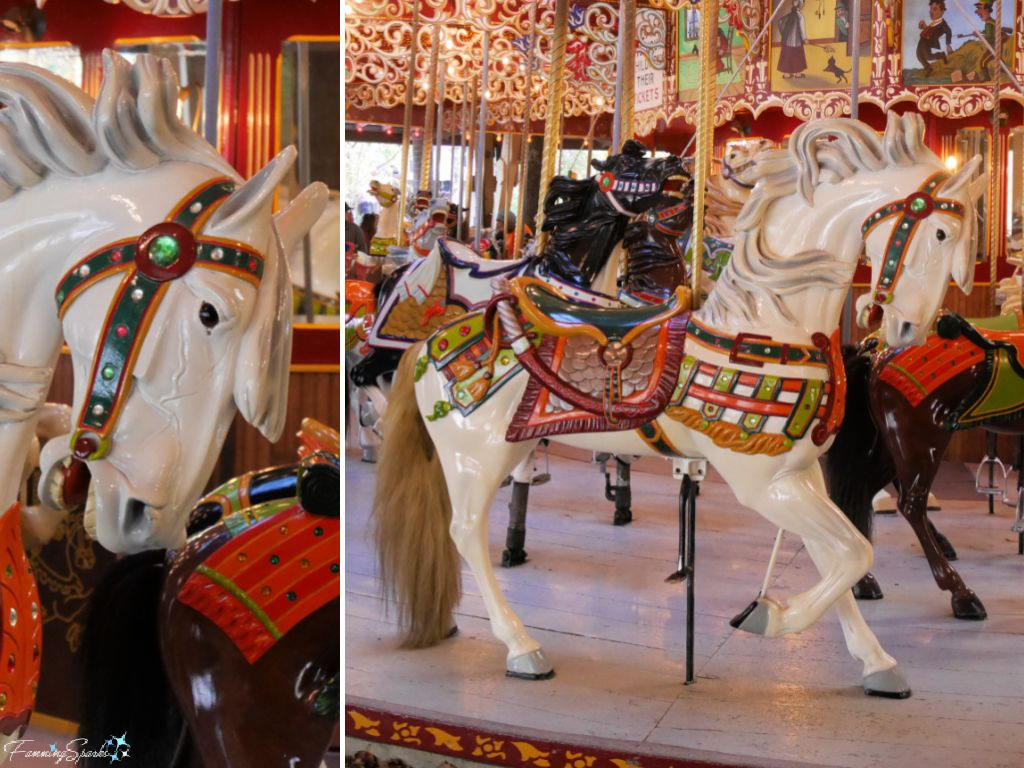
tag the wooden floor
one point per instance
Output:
(595, 597)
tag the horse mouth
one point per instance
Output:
(673, 186)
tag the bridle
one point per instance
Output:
(149, 263)
(917, 206)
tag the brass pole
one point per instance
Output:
(410, 88)
(705, 129)
(467, 173)
(556, 93)
(995, 229)
(428, 118)
(481, 138)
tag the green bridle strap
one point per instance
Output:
(916, 207)
(165, 252)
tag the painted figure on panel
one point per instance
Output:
(729, 52)
(952, 46)
(813, 50)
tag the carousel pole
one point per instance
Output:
(428, 120)
(451, 154)
(211, 73)
(467, 170)
(481, 140)
(846, 323)
(525, 141)
(462, 164)
(705, 129)
(994, 147)
(439, 136)
(625, 83)
(556, 93)
(410, 87)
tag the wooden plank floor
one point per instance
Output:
(595, 597)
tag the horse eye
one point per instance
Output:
(208, 315)
(941, 235)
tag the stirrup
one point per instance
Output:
(539, 478)
(991, 490)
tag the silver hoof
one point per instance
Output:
(754, 619)
(889, 683)
(530, 666)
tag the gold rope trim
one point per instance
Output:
(726, 435)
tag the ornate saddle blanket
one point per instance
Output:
(279, 566)
(22, 627)
(995, 344)
(435, 290)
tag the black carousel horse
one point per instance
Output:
(226, 653)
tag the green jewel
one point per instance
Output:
(421, 368)
(334, 568)
(318, 531)
(291, 596)
(108, 372)
(274, 559)
(164, 250)
(917, 205)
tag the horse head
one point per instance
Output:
(176, 314)
(431, 220)
(633, 182)
(386, 194)
(915, 244)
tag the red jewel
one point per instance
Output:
(115, 256)
(442, 344)
(464, 330)
(121, 331)
(252, 265)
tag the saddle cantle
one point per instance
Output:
(595, 369)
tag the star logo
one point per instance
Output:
(53, 747)
(120, 747)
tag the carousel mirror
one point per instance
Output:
(62, 59)
(310, 118)
(1015, 193)
(967, 143)
(188, 57)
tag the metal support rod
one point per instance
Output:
(305, 172)
(468, 170)
(855, 57)
(435, 187)
(428, 112)
(556, 93)
(688, 503)
(625, 82)
(524, 142)
(995, 238)
(211, 72)
(481, 140)
(463, 175)
(410, 88)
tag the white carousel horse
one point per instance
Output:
(388, 225)
(81, 177)
(775, 309)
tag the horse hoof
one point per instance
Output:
(969, 607)
(867, 588)
(369, 455)
(452, 632)
(754, 618)
(888, 683)
(530, 666)
(622, 517)
(510, 558)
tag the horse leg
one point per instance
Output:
(472, 494)
(368, 417)
(623, 495)
(913, 505)
(515, 537)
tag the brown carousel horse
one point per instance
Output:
(231, 658)
(968, 374)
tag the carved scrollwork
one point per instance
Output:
(955, 102)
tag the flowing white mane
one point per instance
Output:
(50, 125)
(825, 151)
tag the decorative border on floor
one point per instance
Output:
(492, 747)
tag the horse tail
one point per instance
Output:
(125, 688)
(858, 464)
(419, 566)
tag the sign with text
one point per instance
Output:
(651, 37)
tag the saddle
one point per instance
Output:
(594, 369)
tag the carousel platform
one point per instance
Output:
(596, 598)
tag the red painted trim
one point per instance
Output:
(316, 345)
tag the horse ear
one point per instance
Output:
(597, 165)
(301, 213)
(245, 216)
(261, 375)
(962, 179)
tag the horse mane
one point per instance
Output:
(567, 218)
(826, 151)
(50, 126)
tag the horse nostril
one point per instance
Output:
(135, 519)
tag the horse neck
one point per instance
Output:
(607, 279)
(387, 226)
